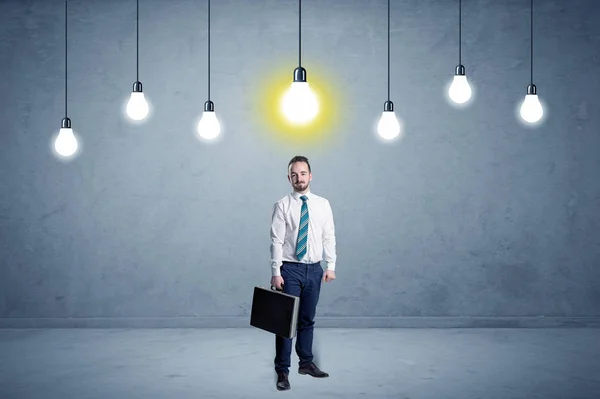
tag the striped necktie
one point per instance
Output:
(303, 230)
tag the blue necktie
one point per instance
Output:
(303, 230)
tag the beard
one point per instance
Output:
(301, 186)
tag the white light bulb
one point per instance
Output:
(137, 106)
(299, 104)
(531, 108)
(209, 127)
(460, 90)
(388, 126)
(66, 143)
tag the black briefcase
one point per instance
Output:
(275, 311)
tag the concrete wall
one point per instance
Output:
(471, 214)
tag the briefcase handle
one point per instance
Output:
(275, 288)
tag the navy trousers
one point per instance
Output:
(304, 281)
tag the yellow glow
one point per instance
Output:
(275, 127)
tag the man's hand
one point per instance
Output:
(277, 282)
(329, 276)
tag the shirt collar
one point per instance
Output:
(297, 195)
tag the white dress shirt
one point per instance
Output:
(284, 231)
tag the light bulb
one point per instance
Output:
(460, 90)
(299, 104)
(388, 126)
(137, 106)
(66, 143)
(209, 127)
(531, 108)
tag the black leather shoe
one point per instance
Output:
(282, 382)
(313, 370)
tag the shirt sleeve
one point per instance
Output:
(329, 254)
(277, 237)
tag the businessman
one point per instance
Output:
(302, 235)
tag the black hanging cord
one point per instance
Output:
(531, 41)
(459, 32)
(388, 50)
(299, 33)
(66, 59)
(137, 24)
(208, 50)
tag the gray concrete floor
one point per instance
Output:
(238, 363)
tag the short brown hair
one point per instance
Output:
(299, 158)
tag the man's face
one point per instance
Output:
(299, 176)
